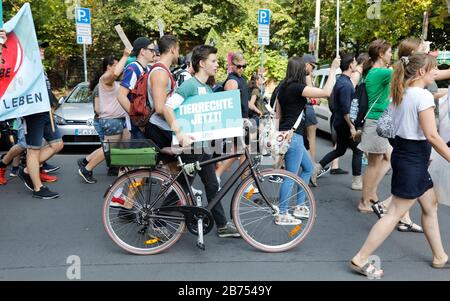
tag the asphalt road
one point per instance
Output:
(38, 237)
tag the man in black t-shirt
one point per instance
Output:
(237, 81)
(343, 94)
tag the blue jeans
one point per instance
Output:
(297, 156)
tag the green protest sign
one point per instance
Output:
(211, 116)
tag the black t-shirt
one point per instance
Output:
(245, 92)
(292, 103)
(344, 92)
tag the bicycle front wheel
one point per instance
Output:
(131, 214)
(259, 222)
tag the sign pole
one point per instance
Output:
(263, 38)
(338, 23)
(262, 71)
(317, 29)
(84, 32)
(85, 63)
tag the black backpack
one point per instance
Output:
(363, 104)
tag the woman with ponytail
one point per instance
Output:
(415, 134)
(377, 76)
(109, 120)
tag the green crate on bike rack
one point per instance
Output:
(130, 153)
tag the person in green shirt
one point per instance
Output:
(205, 64)
(378, 78)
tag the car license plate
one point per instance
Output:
(85, 132)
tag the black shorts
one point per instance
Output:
(38, 127)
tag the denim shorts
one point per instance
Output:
(39, 127)
(310, 116)
(99, 129)
(111, 127)
(21, 141)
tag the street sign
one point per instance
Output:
(83, 24)
(264, 27)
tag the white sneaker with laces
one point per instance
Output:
(301, 211)
(287, 220)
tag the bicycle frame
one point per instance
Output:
(247, 164)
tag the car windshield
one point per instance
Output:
(82, 94)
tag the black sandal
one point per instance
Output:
(409, 227)
(378, 208)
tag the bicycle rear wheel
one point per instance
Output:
(130, 207)
(255, 219)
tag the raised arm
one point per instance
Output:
(312, 92)
(112, 75)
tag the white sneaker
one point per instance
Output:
(357, 183)
(249, 188)
(287, 220)
(196, 191)
(276, 179)
(301, 212)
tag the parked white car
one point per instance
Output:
(75, 117)
(322, 110)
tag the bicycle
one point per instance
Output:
(156, 209)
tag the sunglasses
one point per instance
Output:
(240, 66)
(151, 49)
(314, 66)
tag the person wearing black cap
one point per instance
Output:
(145, 52)
(310, 115)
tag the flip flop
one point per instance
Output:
(441, 265)
(411, 227)
(365, 269)
(364, 210)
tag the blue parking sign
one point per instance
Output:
(83, 15)
(263, 17)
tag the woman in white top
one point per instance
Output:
(416, 133)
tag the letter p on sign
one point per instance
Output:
(264, 17)
(83, 15)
